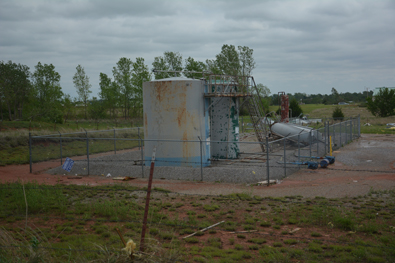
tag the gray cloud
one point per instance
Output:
(299, 46)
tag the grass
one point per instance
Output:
(85, 218)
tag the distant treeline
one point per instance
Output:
(326, 99)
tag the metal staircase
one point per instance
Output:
(257, 120)
(257, 114)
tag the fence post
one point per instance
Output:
(351, 130)
(310, 143)
(115, 143)
(299, 149)
(147, 199)
(242, 124)
(359, 125)
(340, 131)
(324, 137)
(61, 155)
(142, 157)
(138, 134)
(201, 159)
(267, 160)
(30, 152)
(334, 134)
(87, 148)
(285, 161)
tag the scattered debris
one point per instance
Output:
(265, 182)
(294, 230)
(367, 124)
(74, 177)
(126, 178)
(204, 229)
(108, 175)
(249, 231)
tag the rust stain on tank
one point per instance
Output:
(182, 111)
(163, 89)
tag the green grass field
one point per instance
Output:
(79, 223)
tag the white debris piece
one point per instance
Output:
(265, 182)
(108, 175)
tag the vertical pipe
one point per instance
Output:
(147, 199)
(61, 155)
(201, 160)
(267, 160)
(30, 152)
(285, 162)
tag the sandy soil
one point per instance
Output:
(365, 164)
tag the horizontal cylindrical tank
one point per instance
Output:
(292, 131)
(174, 110)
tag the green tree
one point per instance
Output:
(383, 104)
(335, 95)
(338, 113)
(171, 61)
(140, 74)
(295, 107)
(48, 93)
(15, 88)
(81, 83)
(228, 60)
(194, 66)
(68, 106)
(123, 79)
(247, 62)
(96, 109)
(109, 94)
(212, 66)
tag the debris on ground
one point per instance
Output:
(265, 182)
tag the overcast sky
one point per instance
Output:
(299, 46)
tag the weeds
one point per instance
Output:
(86, 219)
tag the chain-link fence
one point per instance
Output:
(124, 152)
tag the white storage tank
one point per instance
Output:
(174, 110)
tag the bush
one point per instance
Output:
(338, 113)
(383, 104)
(296, 109)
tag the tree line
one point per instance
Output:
(37, 95)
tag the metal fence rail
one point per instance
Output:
(121, 152)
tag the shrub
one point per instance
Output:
(338, 113)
